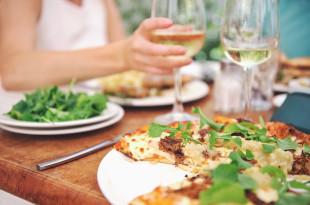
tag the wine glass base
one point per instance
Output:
(174, 117)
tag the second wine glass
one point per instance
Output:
(188, 30)
(249, 36)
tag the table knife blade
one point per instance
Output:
(68, 158)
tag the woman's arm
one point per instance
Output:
(115, 26)
(22, 67)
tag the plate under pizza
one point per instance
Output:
(121, 179)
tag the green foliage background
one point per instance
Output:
(134, 11)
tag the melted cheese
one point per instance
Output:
(265, 191)
(267, 194)
(196, 161)
(298, 150)
(262, 179)
(278, 157)
(144, 147)
(194, 153)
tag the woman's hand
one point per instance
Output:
(142, 54)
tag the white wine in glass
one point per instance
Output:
(188, 30)
(249, 57)
(249, 36)
(192, 41)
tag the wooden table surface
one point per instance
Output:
(74, 182)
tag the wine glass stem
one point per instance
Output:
(248, 92)
(177, 105)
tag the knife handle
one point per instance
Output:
(68, 158)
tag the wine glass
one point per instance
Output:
(188, 30)
(249, 36)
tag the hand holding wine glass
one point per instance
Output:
(249, 36)
(188, 30)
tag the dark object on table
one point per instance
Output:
(295, 111)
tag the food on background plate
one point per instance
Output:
(293, 68)
(304, 82)
(286, 74)
(302, 62)
(53, 105)
(138, 84)
(245, 162)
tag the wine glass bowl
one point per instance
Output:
(188, 30)
(191, 40)
(249, 36)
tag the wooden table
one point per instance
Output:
(74, 182)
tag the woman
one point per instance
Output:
(29, 60)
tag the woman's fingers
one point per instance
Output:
(150, 24)
(144, 55)
(142, 41)
(154, 70)
(180, 28)
(147, 47)
(162, 62)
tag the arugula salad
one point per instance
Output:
(53, 105)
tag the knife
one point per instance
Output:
(68, 158)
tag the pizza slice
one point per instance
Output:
(230, 184)
(199, 145)
(297, 143)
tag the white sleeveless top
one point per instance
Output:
(66, 26)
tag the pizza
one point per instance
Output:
(250, 187)
(138, 84)
(217, 153)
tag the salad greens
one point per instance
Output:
(215, 136)
(268, 148)
(156, 130)
(280, 183)
(205, 121)
(54, 105)
(247, 156)
(228, 184)
(306, 148)
(286, 144)
(227, 181)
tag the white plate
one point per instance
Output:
(121, 179)
(191, 91)
(278, 100)
(69, 130)
(300, 85)
(277, 87)
(111, 111)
